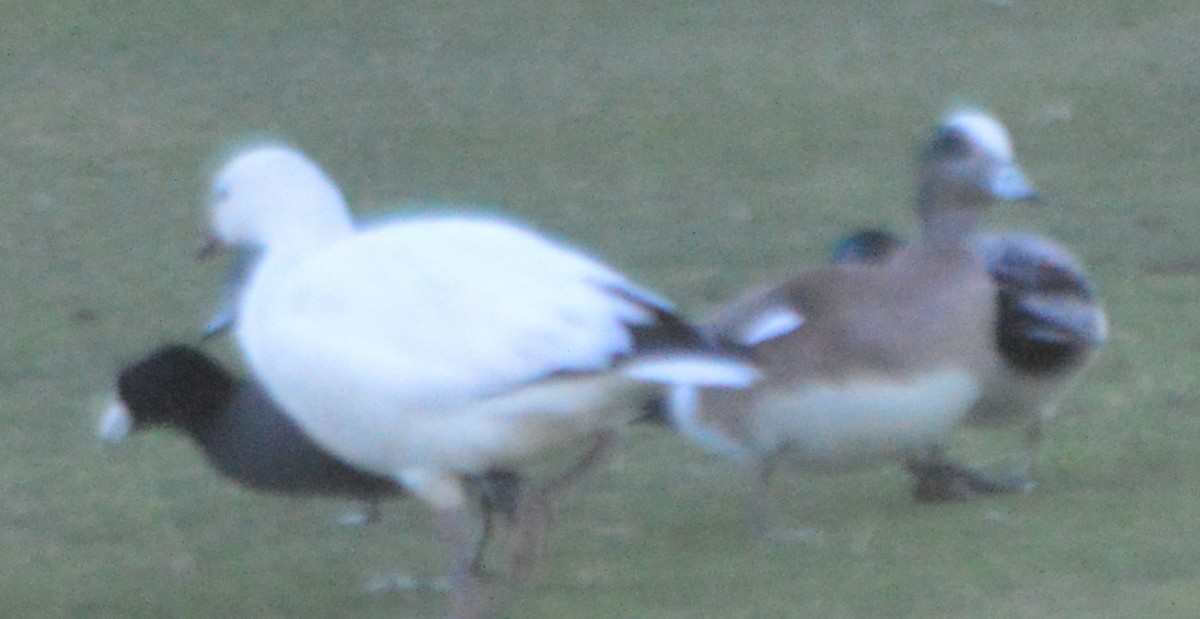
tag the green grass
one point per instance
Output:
(701, 147)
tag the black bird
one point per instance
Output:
(248, 439)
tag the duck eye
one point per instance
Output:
(950, 143)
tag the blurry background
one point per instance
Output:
(702, 147)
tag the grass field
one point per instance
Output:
(702, 147)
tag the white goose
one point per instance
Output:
(440, 347)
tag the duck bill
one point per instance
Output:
(1011, 184)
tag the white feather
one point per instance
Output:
(115, 423)
(692, 369)
(865, 420)
(984, 130)
(683, 404)
(419, 343)
(773, 322)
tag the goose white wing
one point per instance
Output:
(447, 309)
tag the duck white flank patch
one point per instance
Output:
(864, 420)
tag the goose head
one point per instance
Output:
(275, 199)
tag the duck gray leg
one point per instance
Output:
(760, 508)
(1033, 446)
(760, 501)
